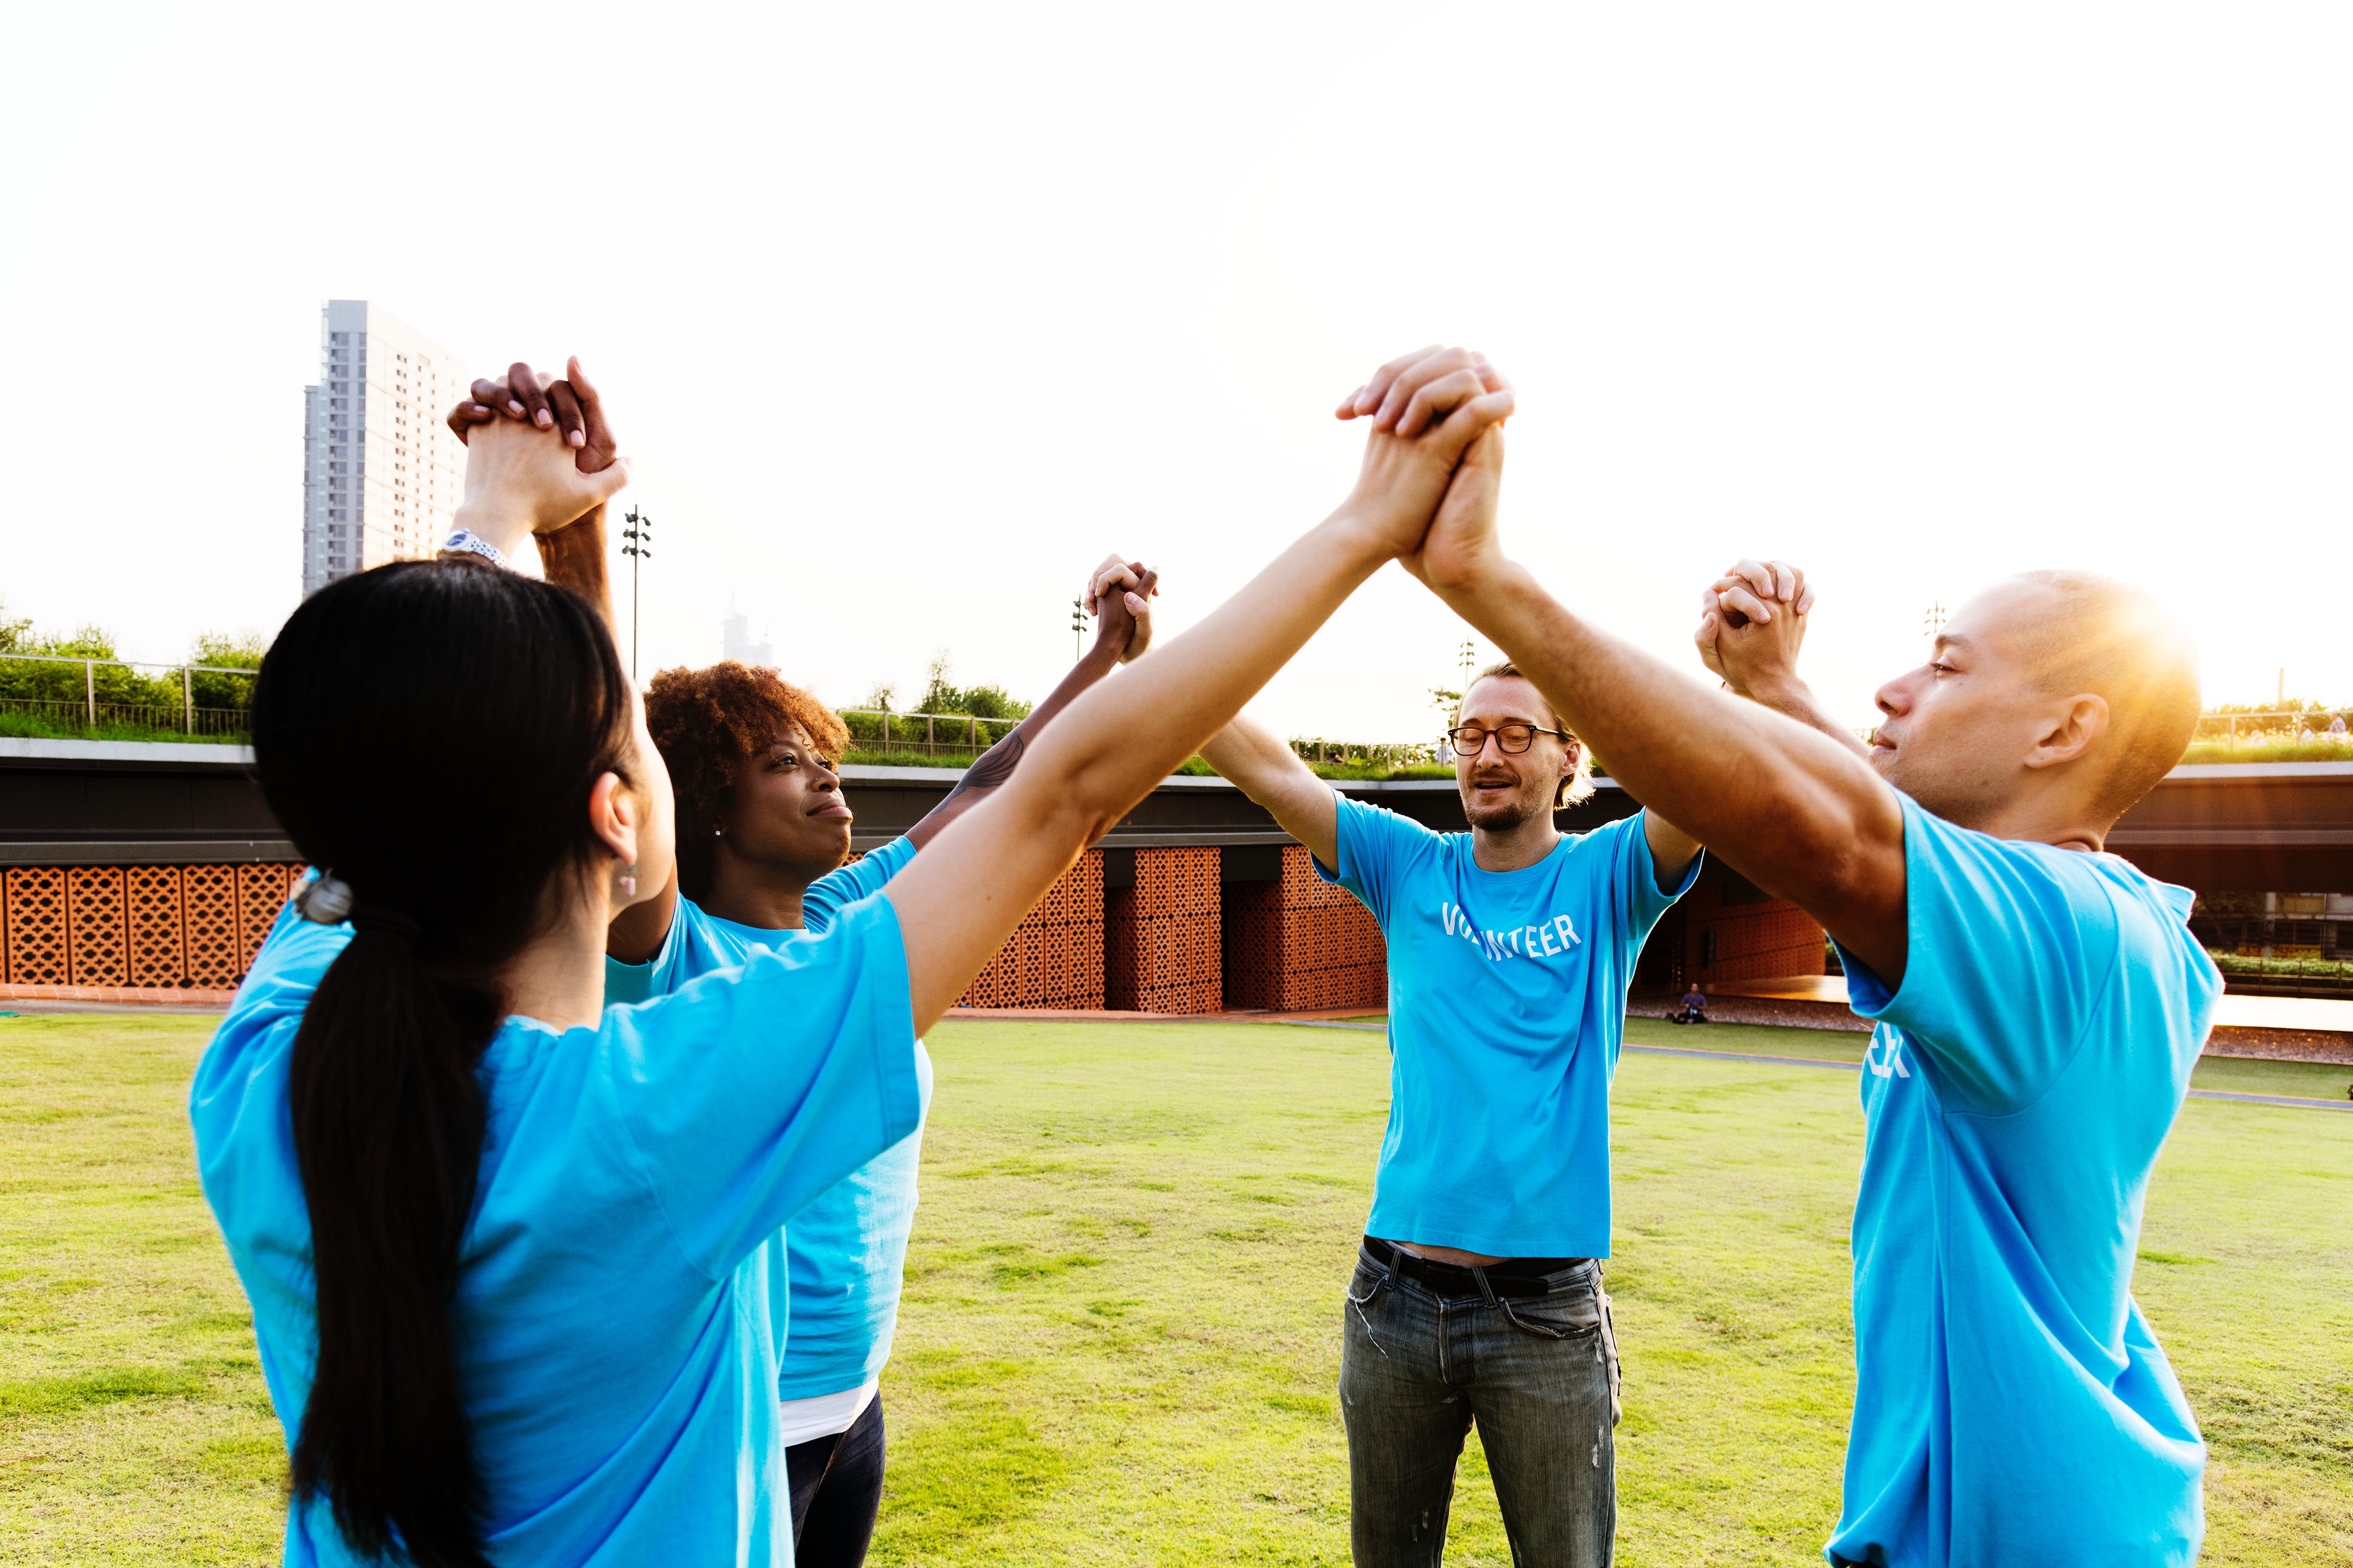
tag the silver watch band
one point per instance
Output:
(464, 543)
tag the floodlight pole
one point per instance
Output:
(639, 534)
(1078, 630)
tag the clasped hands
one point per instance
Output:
(540, 454)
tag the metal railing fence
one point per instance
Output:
(1372, 753)
(922, 734)
(2265, 722)
(124, 707)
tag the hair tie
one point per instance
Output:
(327, 900)
(391, 923)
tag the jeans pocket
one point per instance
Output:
(1563, 1315)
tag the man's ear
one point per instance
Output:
(2070, 729)
(613, 814)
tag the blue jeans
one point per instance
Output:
(1539, 1377)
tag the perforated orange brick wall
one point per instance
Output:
(36, 926)
(1161, 947)
(208, 895)
(1760, 940)
(1300, 944)
(260, 894)
(1055, 957)
(158, 925)
(97, 943)
(145, 926)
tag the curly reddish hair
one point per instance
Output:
(707, 723)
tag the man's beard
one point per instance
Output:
(1503, 817)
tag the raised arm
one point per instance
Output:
(1798, 812)
(1119, 594)
(961, 896)
(1752, 622)
(574, 554)
(1255, 760)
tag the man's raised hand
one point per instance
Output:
(1752, 623)
(1427, 408)
(1463, 540)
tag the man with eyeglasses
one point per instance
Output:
(1478, 1291)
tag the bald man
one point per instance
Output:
(2029, 1055)
(2038, 1002)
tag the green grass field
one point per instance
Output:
(1119, 1341)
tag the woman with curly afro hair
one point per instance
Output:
(762, 833)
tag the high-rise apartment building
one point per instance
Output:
(381, 472)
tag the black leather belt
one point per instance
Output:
(1514, 1279)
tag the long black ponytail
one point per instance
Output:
(429, 731)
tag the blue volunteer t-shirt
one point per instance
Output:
(1507, 1001)
(611, 1312)
(845, 1253)
(2011, 1406)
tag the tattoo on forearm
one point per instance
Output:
(995, 766)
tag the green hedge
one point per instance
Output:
(2282, 968)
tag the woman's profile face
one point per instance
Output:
(785, 812)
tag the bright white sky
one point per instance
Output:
(908, 314)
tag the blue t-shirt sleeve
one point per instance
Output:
(748, 1091)
(1642, 902)
(626, 983)
(1376, 848)
(2010, 948)
(862, 879)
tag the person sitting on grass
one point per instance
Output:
(1694, 1006)
(1478, 1293)
(2038, 1005)
(506, 1247)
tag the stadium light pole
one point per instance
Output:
(1078, 630)
(639, 535)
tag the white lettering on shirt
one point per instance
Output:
(1891, 1063)
(1547, 939)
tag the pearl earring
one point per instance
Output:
(629, 883)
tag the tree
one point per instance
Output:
(240, 650)
(940, 696)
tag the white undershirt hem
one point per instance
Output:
(825, 1414)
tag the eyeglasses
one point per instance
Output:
(1510, 739)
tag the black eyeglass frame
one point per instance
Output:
(1456, 734)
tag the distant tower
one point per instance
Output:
(381, 472)
(735, 640)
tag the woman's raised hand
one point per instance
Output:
(567, 405)
(1119, 594)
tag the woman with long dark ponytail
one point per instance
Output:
(504, 1246)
